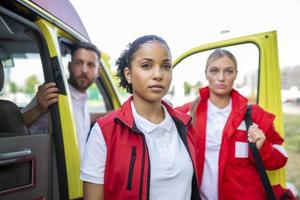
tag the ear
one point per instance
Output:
(127, 74)
(99, 69)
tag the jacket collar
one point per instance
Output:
(239, 104)
(126, 116)
(238, 111)
(238, 101)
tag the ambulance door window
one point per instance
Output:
(189, 74)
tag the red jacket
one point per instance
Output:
(238, 178)
(127, 168)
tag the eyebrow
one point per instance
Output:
(149, 59)
(224, 68)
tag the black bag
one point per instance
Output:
(276, 192)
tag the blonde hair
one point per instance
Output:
(219, 53)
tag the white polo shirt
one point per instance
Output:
(81, 115)
(171, 168)
(216, 120)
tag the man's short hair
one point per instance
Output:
(87, 46)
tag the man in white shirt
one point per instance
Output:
(83, 68)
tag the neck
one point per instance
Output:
(152, 111)
(220, 101)
(76, 88)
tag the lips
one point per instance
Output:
(156, 87)
(221, 86)
(83, 77)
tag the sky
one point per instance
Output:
(112, 24)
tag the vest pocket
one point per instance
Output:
(131, 166)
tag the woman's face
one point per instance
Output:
(221, 74)
(151, 71)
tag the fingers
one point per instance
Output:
(52, 101)
(253, 133)
(49, 98)
(47, 88)
(256, 136)
(47, 95)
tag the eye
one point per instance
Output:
(229, 71)
(146, 65)
(77, 62)
(213, 70)
(91, 65)
(167, 66)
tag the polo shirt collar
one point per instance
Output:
(148, 127)
(212, 109)
(78, 96)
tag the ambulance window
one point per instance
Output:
(21, 62)
(192, 68)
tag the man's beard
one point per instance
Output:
(76, 82)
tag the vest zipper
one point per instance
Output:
(142, 170)
(131, 166)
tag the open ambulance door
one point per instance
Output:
(26, 159)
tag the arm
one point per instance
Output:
(93, 165)
(267, 139)
(92, 191)
(272, 153)
(47, 95)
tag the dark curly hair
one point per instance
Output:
(126, 56)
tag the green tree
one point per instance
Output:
(13, 87)
(30, 84)
(187, 88)
(93, 92)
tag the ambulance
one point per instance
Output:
(35, 41)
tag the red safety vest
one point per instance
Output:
(127, 167)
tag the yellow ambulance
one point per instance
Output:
(35, 41)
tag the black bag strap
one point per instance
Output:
(258, 161)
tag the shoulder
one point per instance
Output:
(184, 108)
(108, 118)
(261, 117)
(260, 112)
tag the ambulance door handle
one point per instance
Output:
(15, 154)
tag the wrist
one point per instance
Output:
(41, 110)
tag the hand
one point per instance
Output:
(46, 96)
(256, 136)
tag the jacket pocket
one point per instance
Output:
(131, 167)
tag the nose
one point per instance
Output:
(157, 73)
(221, 76)
(84, 68)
